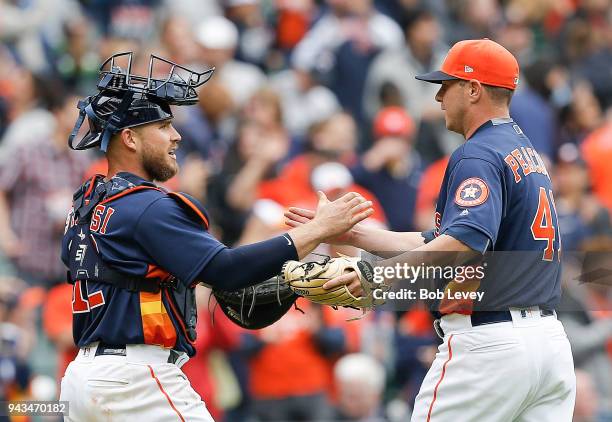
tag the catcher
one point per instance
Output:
(135, 253)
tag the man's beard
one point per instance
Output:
(156, 167)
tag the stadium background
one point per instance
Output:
(307, 95)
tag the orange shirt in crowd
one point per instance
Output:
(290, 363)
(292, 188)
(429, 189)
(597, 152)
(57, 324)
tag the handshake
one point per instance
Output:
(342, 281)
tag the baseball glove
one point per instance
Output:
(307, 279)
(257, 306)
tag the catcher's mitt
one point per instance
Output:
(257, 306)
(307, 279)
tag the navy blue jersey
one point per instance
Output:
(497, 196)
(145, 233)
(397, 195)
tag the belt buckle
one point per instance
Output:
(111, 350)
(438, 328)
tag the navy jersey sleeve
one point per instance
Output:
(474, 204)
(175, 242)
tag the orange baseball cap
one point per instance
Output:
(484, 60)
(393, 121)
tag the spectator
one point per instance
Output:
(290, 366)
(391, 169)
(57, 325)
(77, 61)
(344, 20)
(32, 28)
(17, 340)
(427, 196)
(416, 344)
(255, 37)
(531, 107)
(35, 198)
(293, 21)
(206, 130)
(360, 380)
(331, 142)
(131, 19)
(586, 398)
(344, 43)
(195, 11)
(473, 19)
(598, 156)
(218, 39)
(178, 40)
(253, 159)
(26, 98)
(580, 214)
(220, 335)
(423, 51)
(586, 46)
(587, 320)
(305, 102)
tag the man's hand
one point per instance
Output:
(331, 219)
(350, 280)
(11, 245)
(335, 218)
(296, 217)
(354, 284)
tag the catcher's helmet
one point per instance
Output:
(126, 100)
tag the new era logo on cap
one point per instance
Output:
(468, 69)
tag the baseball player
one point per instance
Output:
(512, 362)
(135, 253)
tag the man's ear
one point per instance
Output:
(129, 138)
(475, 89)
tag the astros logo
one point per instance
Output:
(471, 192)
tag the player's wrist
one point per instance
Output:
(318, 230)
(357, 237)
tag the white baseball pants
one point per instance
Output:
(509, 371)
(138, 387)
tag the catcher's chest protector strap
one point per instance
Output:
(89, 266)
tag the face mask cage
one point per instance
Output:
(177, 87)
(127, 100)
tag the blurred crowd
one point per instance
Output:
(307, 95)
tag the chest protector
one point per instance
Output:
(85, 263)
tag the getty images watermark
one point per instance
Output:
(460, 275)
(487, 282)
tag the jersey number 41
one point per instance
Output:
(542, 227)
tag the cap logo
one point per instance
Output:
(516, 80)
(468, 69)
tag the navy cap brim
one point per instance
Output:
(436, 77)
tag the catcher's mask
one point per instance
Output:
(125, 100)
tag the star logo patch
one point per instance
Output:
(471, 192)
